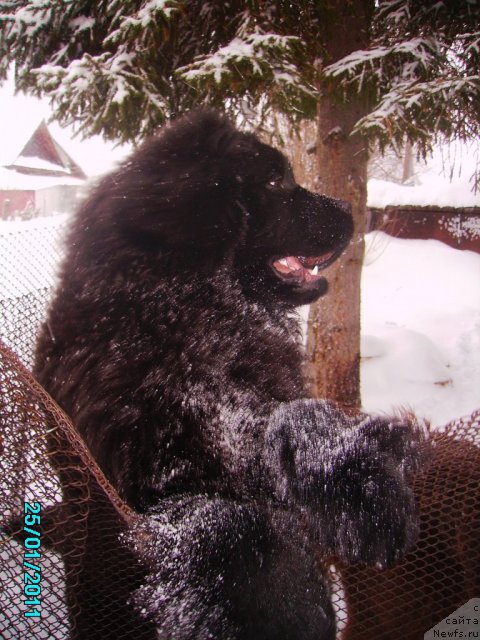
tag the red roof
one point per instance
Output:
(43, 156)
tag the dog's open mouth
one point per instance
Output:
(301, 270)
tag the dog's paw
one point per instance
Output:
(350, 474)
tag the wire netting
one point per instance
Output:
(30, 253)
(443, 571)
(60, 525)
(81, 575)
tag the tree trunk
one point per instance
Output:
(333, 346)
(407, 167)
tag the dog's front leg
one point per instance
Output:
(349, 476)
(227, 570)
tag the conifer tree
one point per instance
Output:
(368, 72)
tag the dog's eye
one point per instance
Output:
(275, 181)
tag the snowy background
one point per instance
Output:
(20, 112)
(421, 299)
(420, 315)
(420, 328)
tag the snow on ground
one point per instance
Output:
(434, 190)
(444, 180)
(420, 315)
(420, 328)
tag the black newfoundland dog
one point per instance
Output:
(172, 346)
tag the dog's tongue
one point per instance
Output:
(295, 268)
(293, 264)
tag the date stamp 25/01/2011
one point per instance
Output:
(32, 573)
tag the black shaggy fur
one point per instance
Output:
(170, 345)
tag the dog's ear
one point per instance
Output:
(181, 192)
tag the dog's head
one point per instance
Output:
(204, 197)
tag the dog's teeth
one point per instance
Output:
(314, 271)
(284, 261)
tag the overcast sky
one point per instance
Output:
(20, 115)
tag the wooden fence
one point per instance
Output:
(459, 228)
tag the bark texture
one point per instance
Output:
(333, 347)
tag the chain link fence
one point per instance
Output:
(30, 254)
(65, 573)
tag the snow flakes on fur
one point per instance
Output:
(171, 345)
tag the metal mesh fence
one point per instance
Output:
(60, 520)
(60, 524)
(443, 571)
(30, 252)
